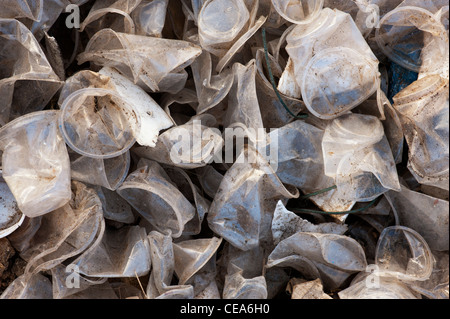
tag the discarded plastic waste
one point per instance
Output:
(234, 149)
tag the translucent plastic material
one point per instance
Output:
(358, 156)
(149, 17)
(424, 110)
(163, 265)
(427, 215)
(387, 288)
(27, 286)
(190, 145)
(65, 232)
(152, 117)
(114, 207)
(220, 21)
(98, 123)
(10, 215)
(300, 163)
(121, 253)
(109, 173)
(211, 89)
(13, 9)
(107, 14)
(35, 163)
(301, 289)
(286, 224)
(412, 37)
(129, 54)
(403, 253)
(333, 64)
(191, 255)
(242, 209)
(336, 251)
(273, 112)
(298, 11)
(150, 191)
(27, 80)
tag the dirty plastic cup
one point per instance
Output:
(423, 107)
(10, 215)
(403, 253)
(414, 38)
(298, 11)
(336, 80)
(108, 172)
(220, 21)
(35, 163)
(98, 123)
(333, 65)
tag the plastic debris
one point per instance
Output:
(224, 149)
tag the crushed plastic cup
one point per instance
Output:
(333, 64)
(404, 254)
(35, 163)
(98, 123)
(105, 14)
(65, 232)
(10, 215)
(357, 155)
(298, 11)
(27, 80)
(220, 22)
(423, 107)
(128, 53)
(412, 37)
(191, 255)
(108, 172)
(150, 191)
(121, 253)
(163, 266)
(425, 214)
(149, 17)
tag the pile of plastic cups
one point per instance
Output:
(224, 149)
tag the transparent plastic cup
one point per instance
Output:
(220, 21)
(403, 253)
(35, 162)
(108, 172)
(10, 215)
(415, 39)
(298, 11)
(98, 123)
(333, 65)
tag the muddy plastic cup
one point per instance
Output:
(333, 64)
(98, 123)
(336, 80)
(298, 11)
(414, 38)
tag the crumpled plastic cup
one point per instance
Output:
(27, 80)
(423, 107)
(10, 215)
(333, 64)
(35, 162)
(98, 123)
(357, 155)
(412, 37)
(150, 191)
(298, 11)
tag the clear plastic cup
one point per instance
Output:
(415, 39)
(98, 123)
(220, 21)
(298, 11)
